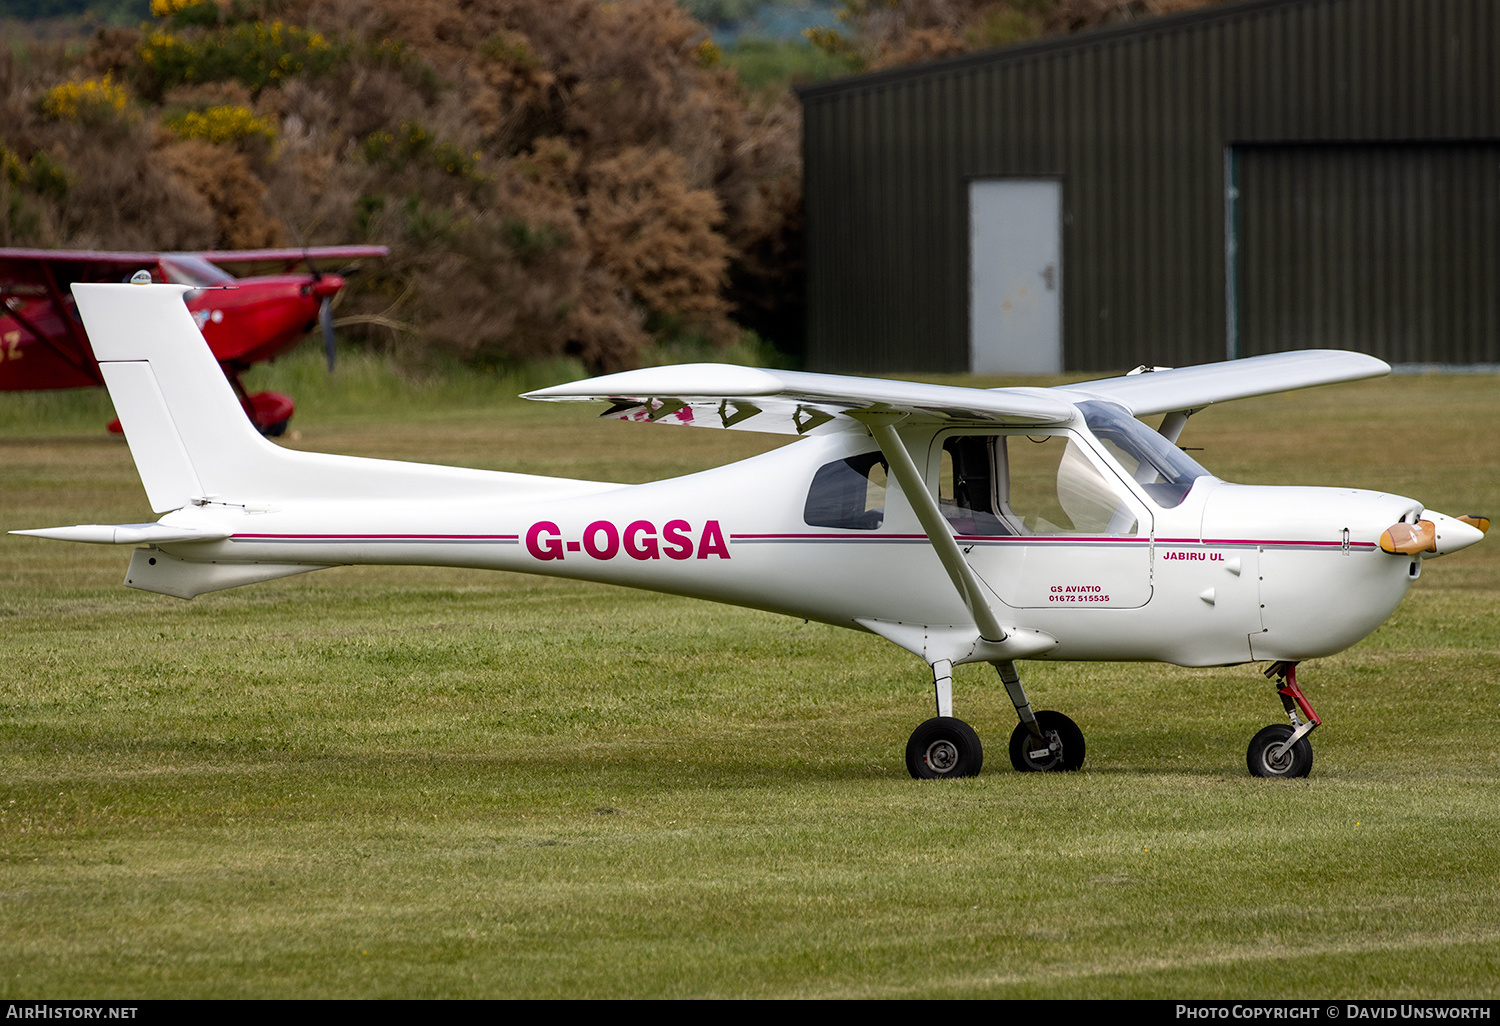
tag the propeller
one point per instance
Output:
(1408, 540)
(325, 287)
(325, 320)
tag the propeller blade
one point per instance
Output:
(325, 318)
(1407, 540)
(1475, 520)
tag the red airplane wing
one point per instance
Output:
(20, 268)
(38, 319)
(291, 257)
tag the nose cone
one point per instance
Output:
(1436, 534)
(1454, 533)
(326, 286)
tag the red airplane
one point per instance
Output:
(244, 320)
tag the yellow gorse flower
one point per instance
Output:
(76, 101)
(222, 124)
(167, 8)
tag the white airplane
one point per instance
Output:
(964, 525)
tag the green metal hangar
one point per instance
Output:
(1241, 179)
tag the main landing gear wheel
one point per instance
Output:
(1064, 750)
(1266, 757)
(944, 747)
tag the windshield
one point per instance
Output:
(1163, 470)
(187, 269)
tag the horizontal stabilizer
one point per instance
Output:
(795, 402)
(126, 534)
(1192, 388)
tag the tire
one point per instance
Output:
(943, 748)
(1295, 763)
(1068, 734)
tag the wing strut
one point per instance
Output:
(883, 427)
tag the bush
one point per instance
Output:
(220, 124)
(183, 13)
(410, 141)
(257, 55)
(93, 101)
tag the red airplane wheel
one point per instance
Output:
(270, 411)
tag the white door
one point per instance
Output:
(1015, 276)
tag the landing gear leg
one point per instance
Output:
(943, 746)
(1043, 741)
(1284, 751)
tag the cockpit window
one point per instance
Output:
(1042, 484)
(1165, 472)
(848, 493)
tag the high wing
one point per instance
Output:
(795, 402)
(34, 290)
(31, 271)
(1186, 389)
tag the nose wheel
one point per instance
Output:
(1281, 750)
(1273, 753)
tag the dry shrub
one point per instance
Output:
(888, 33)
(607, 111)
(657, 236)
(221, 180)
(1076, 15)
(113, 52)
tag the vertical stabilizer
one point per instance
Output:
(186, 429)
(192, 441)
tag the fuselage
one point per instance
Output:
(1220, 574)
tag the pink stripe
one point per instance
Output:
(380, 537)
(749, 537)
(1069, 538)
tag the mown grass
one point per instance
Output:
(424, 782)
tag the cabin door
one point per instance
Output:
(1044, 522)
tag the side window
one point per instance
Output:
(848, 493)
(1028, 484)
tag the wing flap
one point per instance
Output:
(796, 402)
(1192, 388)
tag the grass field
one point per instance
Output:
(373, 782)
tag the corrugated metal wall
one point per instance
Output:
(1140, 124)
(1391, 250)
